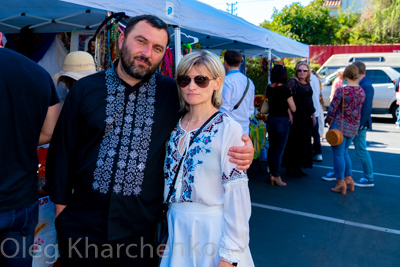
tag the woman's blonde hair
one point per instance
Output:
(351, 72)
(300, 63)
(213, 66)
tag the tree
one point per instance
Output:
(345, 23)
(379, 23)
(311, 24)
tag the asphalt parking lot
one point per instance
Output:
(304, 224)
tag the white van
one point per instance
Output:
(382, 79)
(370, 59)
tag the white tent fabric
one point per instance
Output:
(47, 16)
(215, 29)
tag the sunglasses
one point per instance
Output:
(302, 70)
(200, 81)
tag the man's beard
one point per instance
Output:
(132, 69)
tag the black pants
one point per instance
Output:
(131, 251)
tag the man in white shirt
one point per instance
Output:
(234, 89)
(316, 87)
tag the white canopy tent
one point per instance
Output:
(47, 16)
(215, 30)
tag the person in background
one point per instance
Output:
(321, 117)
(298, 152)
(234, 92)
(337, 83)
(77, 65)
(344, 113)
(281, 106)
(316, 87)
(92, 46)
(210, 202)
(360, 140)
(397, 92)
(28, 113)
(105, 161)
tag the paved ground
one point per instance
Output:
(304, 224)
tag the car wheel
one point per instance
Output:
(395, 111)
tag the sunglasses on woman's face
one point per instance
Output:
(200, 81)
(302, 70)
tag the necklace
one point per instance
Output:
(202, 118)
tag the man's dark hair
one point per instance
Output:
(154, 21)
(361, 67)
(279, 74)
(233, 58)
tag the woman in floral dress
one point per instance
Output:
(344, 113)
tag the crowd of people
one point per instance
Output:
(129, 139)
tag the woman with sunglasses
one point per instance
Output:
(298, 152)
(209, 200)
(281, 106)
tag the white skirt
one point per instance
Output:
(195, 232)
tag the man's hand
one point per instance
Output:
(59, 209)
(224, 264)
(242, 155)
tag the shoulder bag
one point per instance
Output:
(161, 234)
(244, 94)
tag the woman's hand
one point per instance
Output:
(242, 155)
(328, 120)
(314, 120)
(223, 263)
(59, 209)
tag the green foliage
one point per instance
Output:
(255, 73)
(311, 24)
(260, 78)
(345, 23)
(380, 23)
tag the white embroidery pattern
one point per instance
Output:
(134, 144)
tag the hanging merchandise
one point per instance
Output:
(107, 47)
(186, 49)
(257, 133)
(197, 46)
(264, 65)
(223, 53)
(168, 64)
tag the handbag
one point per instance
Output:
(335, 136)
(264, 107)
(161, 231)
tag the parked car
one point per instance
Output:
(382, 79)
(381, 59)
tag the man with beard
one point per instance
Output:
(105, 161)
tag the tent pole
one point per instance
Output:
(178, 52)
(269, 64)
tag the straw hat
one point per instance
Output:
(77, 65)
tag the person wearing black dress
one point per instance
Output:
(298, 152)
(281, 106)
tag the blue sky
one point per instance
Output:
(254, 11)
